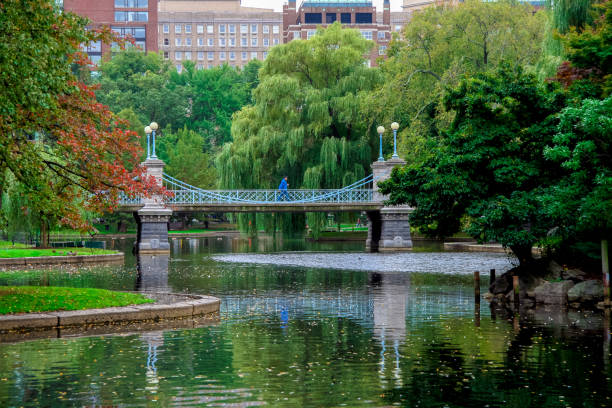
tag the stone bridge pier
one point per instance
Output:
(152, 219)
(389, 228)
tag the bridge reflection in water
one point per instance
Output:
(382, 304)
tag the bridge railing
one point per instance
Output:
(269, 196)
(183, 193)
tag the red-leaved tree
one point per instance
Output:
(70, 154)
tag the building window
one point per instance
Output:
(232, 28)
(275, 29)
(244, 28)
(254, 55)
(177, 41)
(222, 28)
(124, 16)
(398, 28)
(345, 18)
(232, 42)
(200, 28)
(363, 18)
(166, 28)
(200, 66)
(179, 68)
(382, 50)
(221, 42)
(244, 55)
(296, 35)
(187, 28)
(178, 55)
(211, 56)
(367, 35)
(266, 29)
(200, 55)
(254, 42)
(188, 41)
(177, 29)
(200, 42)
(310, 34)
(381, 35)
(166, 41)
(243, 42)
(275, 41)
(232, 56)
(222, 55)
(188, 55)
(265, 54)
(330, 18)
(210, 28)
(142, 4)
(313, 18)
(266, 42)
(211, 42)
(254, 28)
(166, 56)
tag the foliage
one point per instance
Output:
(185, 158)
(581, 201)
(489, 164)
(28, 299)
(441, 44)
(141, 82)
(66, 151)
(305, 121)
(589, 52)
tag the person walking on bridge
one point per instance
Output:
(284, 195)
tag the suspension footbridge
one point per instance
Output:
(388, 227)
(184, 197)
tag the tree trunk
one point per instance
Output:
(524, 255)
(44, 233)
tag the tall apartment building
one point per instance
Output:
(216, 32)
(302, 22)
(136, 18)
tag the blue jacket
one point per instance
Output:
(283, 185)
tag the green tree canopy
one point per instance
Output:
(439, 46)
(489, 165)
(306, 119)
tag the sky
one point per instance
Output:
(278, 4)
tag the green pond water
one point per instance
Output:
(314, 325)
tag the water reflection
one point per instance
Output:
(305, 336)
(152, 273)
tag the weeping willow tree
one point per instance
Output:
(305, 122)
(564, 15)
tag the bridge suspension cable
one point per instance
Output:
(186, 193)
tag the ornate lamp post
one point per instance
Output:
(148, 131)
(154, 127)
(381, 130)
(395, 126)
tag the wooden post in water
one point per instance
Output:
(605, 269)
(477, 298)
(515, 286)
(492, 276)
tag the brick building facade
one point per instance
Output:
(302, 22)
(215, 32)
(137, 18)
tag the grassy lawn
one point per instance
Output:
(28, 299)
(196, 231)
(7, 250)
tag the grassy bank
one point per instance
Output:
(8, 250)
(29, 299)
